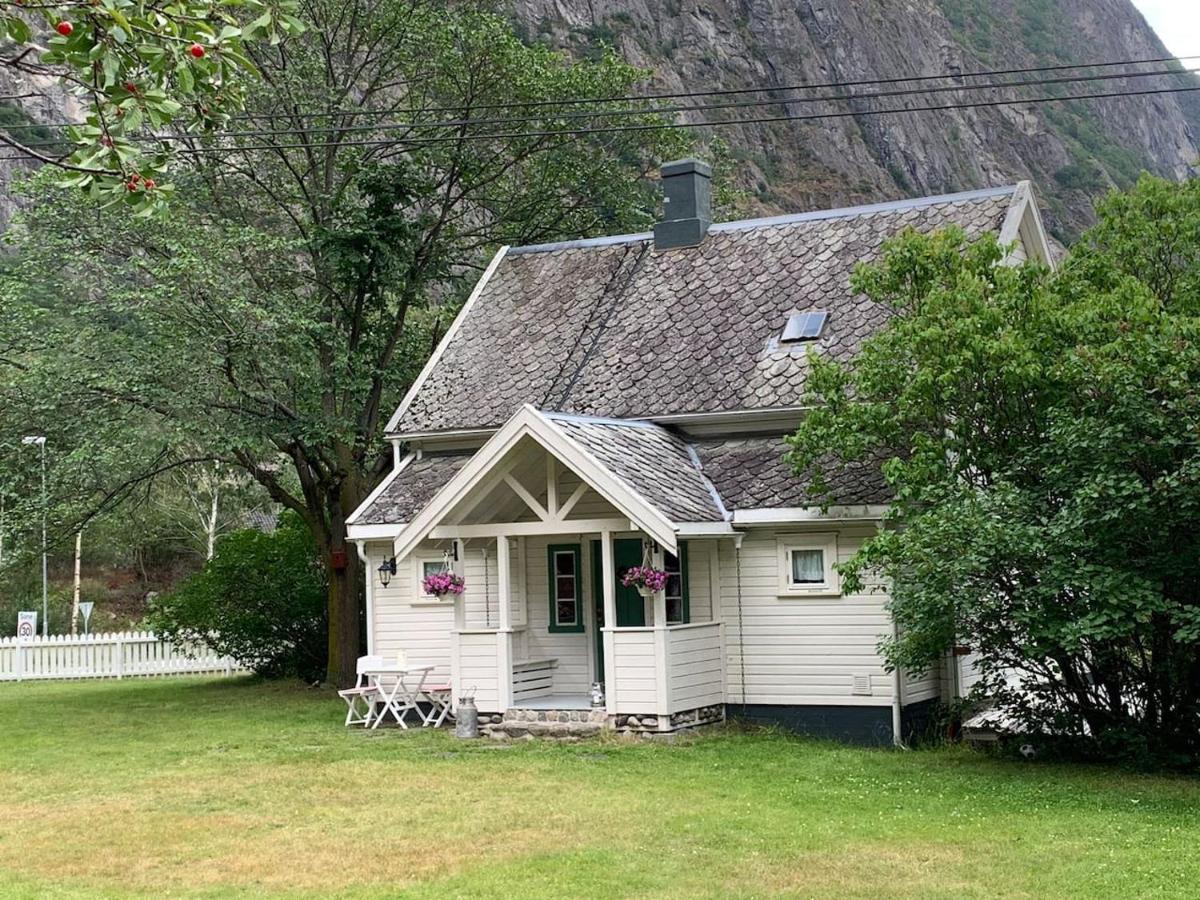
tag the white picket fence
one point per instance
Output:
(122, 654)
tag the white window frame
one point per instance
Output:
(827, 543)
(420, 598)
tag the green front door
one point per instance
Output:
(631, 608)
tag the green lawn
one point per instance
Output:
(220, 787)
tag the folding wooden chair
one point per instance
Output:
(361, 699)
(439, 697)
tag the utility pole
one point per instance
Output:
(40, 441)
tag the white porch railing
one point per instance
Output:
(474, 666)
(667, 670)
(695, 665)
(117, 655)
(532, 678)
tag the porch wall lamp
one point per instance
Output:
(387, 569)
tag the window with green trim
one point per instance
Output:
(566, 588)
(678, 611)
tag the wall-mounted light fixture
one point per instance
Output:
(387, 569)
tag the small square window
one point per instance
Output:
(806, 565)
(425, 566)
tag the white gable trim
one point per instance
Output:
(1024, 224)
(528, 422)
(380, 488)
(373, 532)
(445, 341)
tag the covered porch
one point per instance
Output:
(543, 529)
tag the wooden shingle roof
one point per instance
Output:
(612, 328)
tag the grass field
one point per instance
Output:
(214, 788)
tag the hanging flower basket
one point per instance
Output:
(646, 579)
(439, 584)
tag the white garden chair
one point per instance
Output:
(361, 699)
(439, 697)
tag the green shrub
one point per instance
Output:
(260, 599)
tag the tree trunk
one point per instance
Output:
(78, 567)
(345, 592)
(213, 515)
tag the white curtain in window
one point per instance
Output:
(808, 566)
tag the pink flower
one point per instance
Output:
(645, 577)
(441, 583)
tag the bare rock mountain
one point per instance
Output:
(1073, 150)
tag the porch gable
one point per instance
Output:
(501, 491)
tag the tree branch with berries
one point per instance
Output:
(144, 72)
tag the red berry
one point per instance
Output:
(150, 184)
(131, 185)
(196, 50)
(130, 87)
(64, 28)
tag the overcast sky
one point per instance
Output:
(1177, 23)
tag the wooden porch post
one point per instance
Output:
(460, 623)
(609, 573)
(662, 664)
(504, 670)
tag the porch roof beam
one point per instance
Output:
(580, 490)
(519, 489)
(517, 529)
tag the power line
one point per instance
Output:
(235, 133)
(568, 132)
(671, 110)
(723, 92)
(630, 98)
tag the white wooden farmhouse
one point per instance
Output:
(603, 403)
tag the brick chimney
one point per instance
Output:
(687, 204)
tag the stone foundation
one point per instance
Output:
(575, 724)
(560, 724)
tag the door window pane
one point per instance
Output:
(674, 589)
(566, 589)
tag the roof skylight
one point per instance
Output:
(804, 326)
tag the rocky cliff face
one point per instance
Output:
(1073, 150)
(38, 100)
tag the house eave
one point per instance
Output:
(800, 515)
(721, 421)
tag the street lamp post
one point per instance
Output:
(40, 440)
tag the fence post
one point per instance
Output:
(19, 661)
(121, 655)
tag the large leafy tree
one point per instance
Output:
(274, 318)
(1042, 436)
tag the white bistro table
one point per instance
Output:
(401, 696)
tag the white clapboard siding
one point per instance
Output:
(799, 650)
(636, 688)
(114, 655)
(403, 619)
(915, 688)
(478, 675)
(694, 670)
(700, 580)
